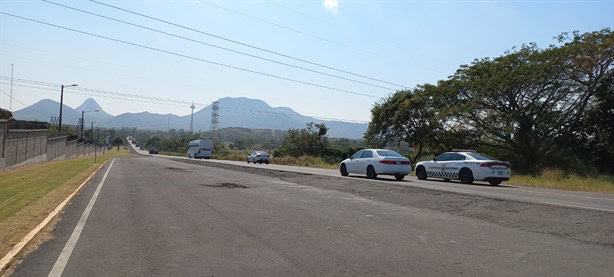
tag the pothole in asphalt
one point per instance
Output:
(175, 169)
(227, 185)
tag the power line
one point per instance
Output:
(255, 112)
(217, 46)
(90, 94)
(138, 99)
(302, 13)
(190, 57)
(245, 44)
(12, 97)
(275, 24)
(104, 91)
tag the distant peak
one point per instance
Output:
(89, 104)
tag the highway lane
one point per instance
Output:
(573, 199)
(159, 217)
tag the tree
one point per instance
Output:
(309, 141)
(535, 107)
(532, 103)
(409, 115)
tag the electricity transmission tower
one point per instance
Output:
(192, 118)
(215, 108)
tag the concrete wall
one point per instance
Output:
(79, 150)
(3, 127)
(24, 146)
(71, 149)
(56, 148)
(20, 147)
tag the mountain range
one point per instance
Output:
(234, 112)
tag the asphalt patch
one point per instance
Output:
(227, 185)
(175, 169)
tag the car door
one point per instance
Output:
(434, 169)
(351, 165)
(452, 166)
(365, 159)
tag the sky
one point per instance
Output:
(403, 43)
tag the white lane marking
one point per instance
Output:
(60, 264)
(4, 262)
(574, 206)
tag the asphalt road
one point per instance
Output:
(572, 199)
(160, 217)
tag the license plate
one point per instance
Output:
(500, 172)
(398, 162)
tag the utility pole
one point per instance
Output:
(192, 118)
(92, 133)
(215, 108)
(11, 98)
(83, 120)
(104, 145)
(82, 114)
(95, 144)
(62, 104)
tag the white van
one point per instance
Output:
(200, 148)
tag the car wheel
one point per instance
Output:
(466, 176)
(266, 162)
(343, 170)
(247, 160)
(494, 182)
(421, 173)
(446, 180)
(371, 172)
(399, 177)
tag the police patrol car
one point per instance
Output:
(466, 166)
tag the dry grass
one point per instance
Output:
(557, 179)
(307, 161)
(29, 194)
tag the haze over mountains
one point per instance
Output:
(234, 112)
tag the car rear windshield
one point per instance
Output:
(480, 157)
(388, 153)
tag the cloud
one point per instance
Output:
(331, 5)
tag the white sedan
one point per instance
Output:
(258, 157)
(373, 162)
(466, 166)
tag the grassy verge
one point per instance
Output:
(29, 194)
(556, 179)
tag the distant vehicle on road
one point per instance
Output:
(153, 150)
(200, 148)
(466, 166)
(375, 162)
(258, 157)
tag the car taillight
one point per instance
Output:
(506, 164)
(394, 162)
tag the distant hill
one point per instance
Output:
(234, 112)
(43, 111)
